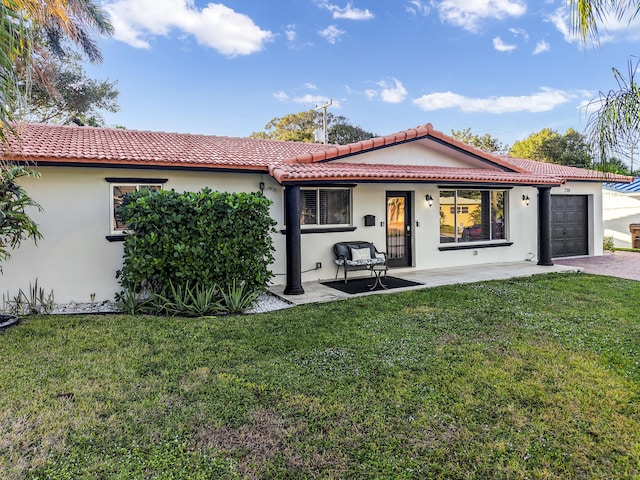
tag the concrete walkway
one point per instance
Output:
(316, 292)
(617, 264)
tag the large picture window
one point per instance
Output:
(472, 216)
(325, 206)
(118, 192)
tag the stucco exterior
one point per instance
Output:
(619, 211)
(76, 260)
(78, 256)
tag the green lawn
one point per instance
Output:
(527, 378)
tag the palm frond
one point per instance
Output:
(615, 126)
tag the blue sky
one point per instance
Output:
(504, 67)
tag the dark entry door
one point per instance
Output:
(569, 225)
(399, 229)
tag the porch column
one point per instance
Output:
(544, 226)
(294, 255)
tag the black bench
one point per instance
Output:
(357, 256)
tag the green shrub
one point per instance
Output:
(201, 238)
(607, 244)
(15, 222)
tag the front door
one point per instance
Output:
(399, 229)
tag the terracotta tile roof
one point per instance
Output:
(422, 132)
(287, 161)
(569, 173)
(404, 173)
(72, 144)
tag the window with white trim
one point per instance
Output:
(117, 193)
(325, 206)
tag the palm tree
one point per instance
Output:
(29, 29)
(586, 14)
(615, 124)
(32, 28)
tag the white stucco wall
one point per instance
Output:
(370, 199)
(620, 210)
(420, 152)
(74, 258)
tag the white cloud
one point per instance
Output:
(541, 46)
(281, 96)
(348, 12)
(215, 26)
(562, 21)
(317, 100)
(520, 32)
(417, 7)
(311, 86)
(468, 14)
(290, 32)
(370, 93)
(499, 45)
(392, 94)
(331, 34)
(544, 100)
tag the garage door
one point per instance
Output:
(569, 225)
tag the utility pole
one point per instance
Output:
(324, 119)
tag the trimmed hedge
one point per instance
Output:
(196, 238)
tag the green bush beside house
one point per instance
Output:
(193, 242)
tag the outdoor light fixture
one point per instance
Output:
(262, 187)
(525, 199)
(429, 199)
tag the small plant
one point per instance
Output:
(238, 297)
(608, 244)
(35, 301)
(194, 301)
(132, 302)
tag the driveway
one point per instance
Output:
(617, 264)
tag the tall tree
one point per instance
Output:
(69, 96)
(341, 132)
(302, 127)
(30, 29)
(23, 25)
(484, 142)
(294, 127)
(615, 124)
(549, 146)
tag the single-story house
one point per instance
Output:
(621, 208)
(427, 199)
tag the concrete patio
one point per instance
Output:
(315, 292)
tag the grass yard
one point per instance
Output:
(529, 378)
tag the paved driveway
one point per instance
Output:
(617, 264)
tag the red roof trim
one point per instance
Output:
(304, 173)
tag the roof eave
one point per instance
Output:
(118, 163)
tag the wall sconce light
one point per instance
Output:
(262, 188)
(429, 200)
(525, 199)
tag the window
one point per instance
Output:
(325, 206)
(463, 209)
(118, 192)
(472, 215)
